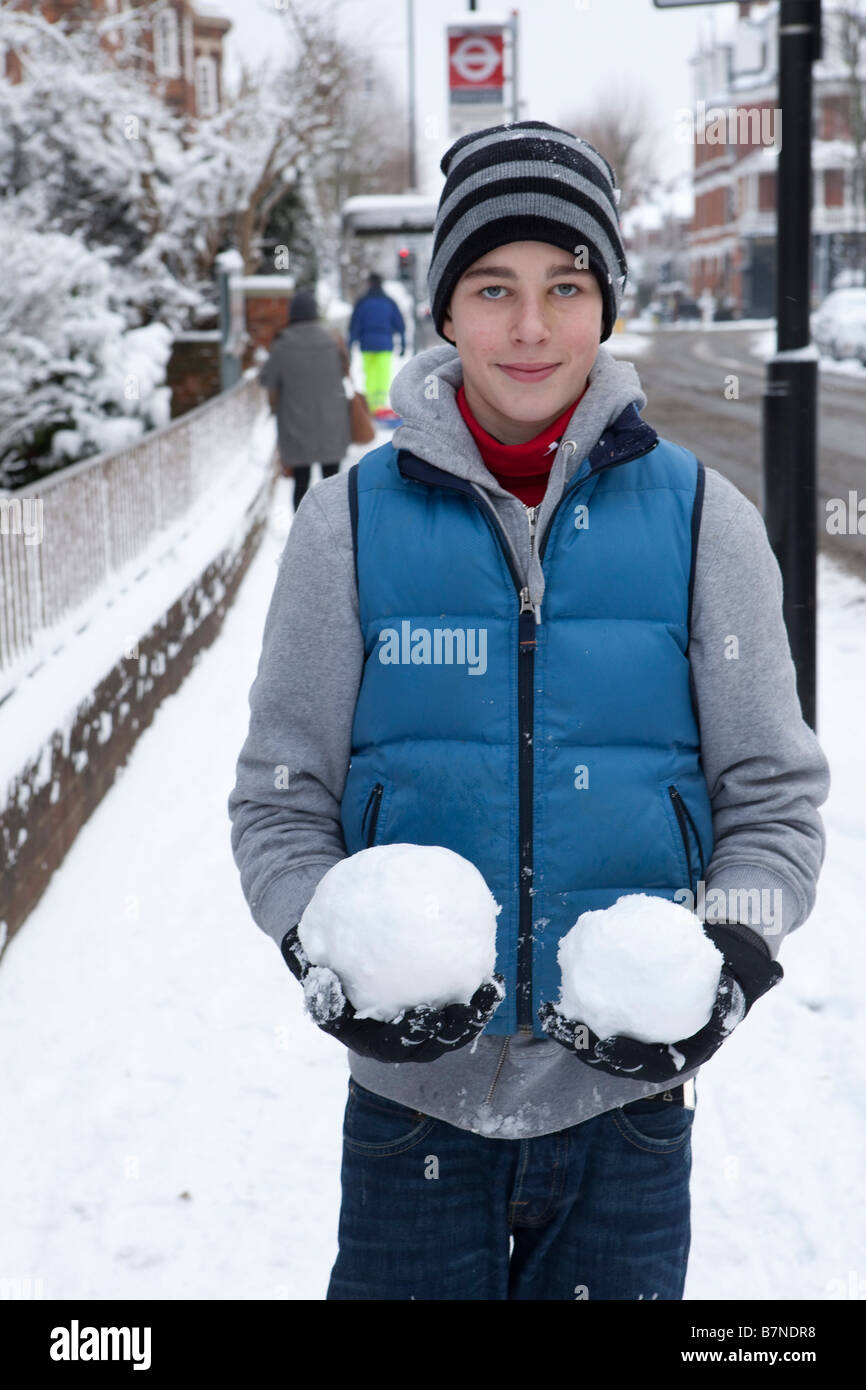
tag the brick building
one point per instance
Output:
(177, 46)
(737, 130)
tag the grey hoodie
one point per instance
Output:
(765, 771)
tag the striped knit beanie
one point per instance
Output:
(527, 181)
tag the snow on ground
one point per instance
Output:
(645, 324)
(628, 345)
(780, 1126)
(173, 1120)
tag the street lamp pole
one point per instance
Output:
(515, 98)
(339, 145)
(790, 399)
(410, 33)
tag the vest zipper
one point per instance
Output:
(505, 1043)
(527, 621)
(525, 599)
(374, 797)
(681, 811)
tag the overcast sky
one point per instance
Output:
(572, 52)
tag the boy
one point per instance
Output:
(611, 745)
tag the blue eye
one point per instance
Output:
(567, 286)
(493, 287)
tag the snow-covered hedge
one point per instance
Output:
(75, 380)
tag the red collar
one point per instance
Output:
(521, 468)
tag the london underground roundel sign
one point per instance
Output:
(475, 60)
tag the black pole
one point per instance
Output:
(410, 34)
(790, 399)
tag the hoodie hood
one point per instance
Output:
(424, 395)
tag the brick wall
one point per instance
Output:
(265, 319)
(59, 788)
(193, 370)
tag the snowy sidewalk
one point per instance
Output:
(172, 1121)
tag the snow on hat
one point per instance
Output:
(526, 181)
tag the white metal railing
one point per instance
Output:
(98, 515)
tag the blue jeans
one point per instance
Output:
(597, 1211)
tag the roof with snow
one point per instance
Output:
(265, 284)
(390, 212)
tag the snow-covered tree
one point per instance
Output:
(145, 200)
(75, 380)
(96, 276)
(86, 148)
(623, 127)
(296, 140)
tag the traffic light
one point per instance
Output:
(406, 265)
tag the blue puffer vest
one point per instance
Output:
(561, 757)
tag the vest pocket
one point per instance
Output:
(370, 818)
(684, 820)
(365, 809)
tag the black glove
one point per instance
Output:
(747, 973)
(422, 1034)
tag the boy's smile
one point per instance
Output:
(527, 326)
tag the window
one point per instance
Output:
(835, 118)
(166, 48)
(766, 192)
(205, 86)
(834, 188)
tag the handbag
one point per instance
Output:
(360, 420)
(284, 468)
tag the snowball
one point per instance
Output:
(403, 925)
(643, 968)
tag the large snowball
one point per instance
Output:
(643, 968)
(403, 925)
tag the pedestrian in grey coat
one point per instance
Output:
(304, 378)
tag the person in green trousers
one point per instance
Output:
(376, 319)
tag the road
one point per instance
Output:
(685, 374)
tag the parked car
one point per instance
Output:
(839, 324)
(726, 311)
